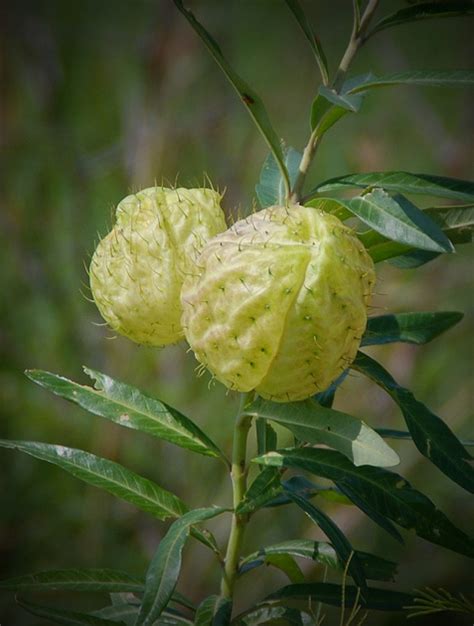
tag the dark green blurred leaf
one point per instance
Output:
(67, 618)
(391, 433)
(413, 259)
(418, 328)
(339, 541)
(287, 564)
(248, 96)
(123, 612)
(214, 611)
(129, 407)
(264, 488)
(432, 436)
(387, 493)
(308, 489)
(450, 78)
(271, 189)
(375, 568)
(379, 599)
(311, 36)
(403, 182)
(107, 475)
(274, 615)
(266, 436)
(108, 580)
(399, 220)
(314, 423)
(164, 569)
(423, 11)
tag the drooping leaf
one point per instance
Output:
(387, 493)
(339, 541)
(432, 436)
(314, 423)
(103, 580)
(286, 564)
(264, 488)
(129, 407)
(214, 611)
(107, 475)
(64, 617)
(326, 398)
(423, 78)
(399, 220)
(417, 328)
(375, 567)
(164, 569)
(297, 596)
(312, 38)
(424, 11)
(271, 188)
(308, 489)
(248, 96)
(402, 182)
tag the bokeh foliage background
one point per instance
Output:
(103, 98)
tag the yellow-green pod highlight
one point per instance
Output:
(279, 302)
(137, 270)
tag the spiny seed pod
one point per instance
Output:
(280, 302)
(137, 270)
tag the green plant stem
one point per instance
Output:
(239, 484)
(359, 29)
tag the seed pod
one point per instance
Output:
(137, 270)
(280, 302)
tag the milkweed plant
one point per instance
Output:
(275, 307)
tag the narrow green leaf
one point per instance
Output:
(275, 615)
(391, 433)
(339, 541)
(165, 566)
(107, 475)
(402, 182)
(107, 580)
(123, 612)
(399, 220)
(271, 189)
(308, 489)
(62, 616)
(129, 407)
(264, 488)
(331, 205)
(214, 611)
(379, 599)
(386, 492)
(341, 100)
(417, 328)
(326, 398)
(423, 11)
(286, 564)
(423, 78)
(313, 423)
(266, 436)
(312, 38)
(248, 96)
(375, 567)
(432, 436)
(413, 259)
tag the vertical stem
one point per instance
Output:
(239, 484)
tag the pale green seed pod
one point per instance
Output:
(137, 270)
(279, 304)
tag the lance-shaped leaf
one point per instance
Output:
(275, 615)
(423, 11)
(64, 617)
(164, 569)
(314, 423)
(250, 99)
(107, 475)
(392, 433)
(129, 407)
(308, 489)
(103, 580)
(264, 488)
(379, 599)
(417, 328)
(341, 544)
(375, 567)
(402, 182)
(214, 611)
(312, 38)
(385, 492)
(422, 78)
(271, 188)
(432, 436)
(398, 219)
(123, 612)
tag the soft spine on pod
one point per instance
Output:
(137, 270)
(279, 302)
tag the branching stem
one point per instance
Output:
(239, 484)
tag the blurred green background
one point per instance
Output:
(102, 98)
